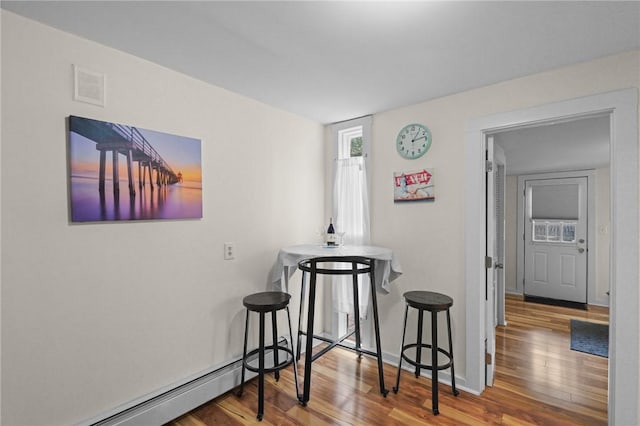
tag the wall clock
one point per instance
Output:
(413, 141)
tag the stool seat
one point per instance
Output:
(428, 300)
(266, 301)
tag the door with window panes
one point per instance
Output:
(556, 239)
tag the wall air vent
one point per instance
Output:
(88, 86)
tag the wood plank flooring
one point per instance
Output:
(539, 381)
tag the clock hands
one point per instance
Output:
(415, 137)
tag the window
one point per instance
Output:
(350, 183)
(350, 212)
(350, 142)
(554, 231)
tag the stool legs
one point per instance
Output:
(274, 329)
(419, 342)
(453, 374)
(244, 353)
(434, 362)
(261, 369)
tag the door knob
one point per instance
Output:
(580, 250)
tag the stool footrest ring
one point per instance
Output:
(282, 364)
(425, 366)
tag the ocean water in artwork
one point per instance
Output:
(177, 201)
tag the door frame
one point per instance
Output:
(624, 325)
(501, 168)
(591, 227)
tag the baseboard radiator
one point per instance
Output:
(182, 398)
(179, 400)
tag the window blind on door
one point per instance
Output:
(556, 201)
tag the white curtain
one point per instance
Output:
(351, 217)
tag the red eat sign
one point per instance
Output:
(422, 177)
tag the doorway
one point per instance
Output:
(624, 319)
(548, 231)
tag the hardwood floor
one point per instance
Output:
(539, 381)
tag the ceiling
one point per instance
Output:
(578, 144)
(333, 61)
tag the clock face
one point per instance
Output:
(413, 141)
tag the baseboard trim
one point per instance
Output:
(179, 400)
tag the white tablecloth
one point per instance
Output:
(386, 268)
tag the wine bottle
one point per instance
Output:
(331, 234)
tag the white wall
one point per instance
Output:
(96, 315)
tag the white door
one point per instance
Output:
(491, 255)
(555, 258)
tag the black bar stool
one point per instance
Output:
(434, 303)
(337, 265)
(268, 301)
